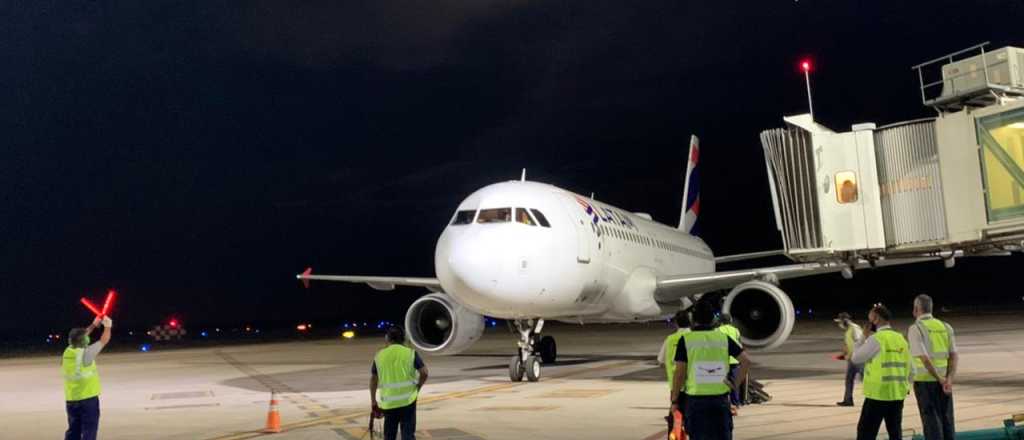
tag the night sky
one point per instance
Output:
(197, 155)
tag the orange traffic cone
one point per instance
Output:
(273, 417)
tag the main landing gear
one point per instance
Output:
(533, 350)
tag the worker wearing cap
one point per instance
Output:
(702, 372)
(397, 376)
(887, 375)
(853, 335)
(935, 359)
(725, 326)
(82, 380)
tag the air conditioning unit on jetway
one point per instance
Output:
(936, 185)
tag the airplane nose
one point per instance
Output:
(475, 261)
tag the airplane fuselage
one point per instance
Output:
(521, 250)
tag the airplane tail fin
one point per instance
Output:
(691, 190)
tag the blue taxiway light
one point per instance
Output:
(144, 348)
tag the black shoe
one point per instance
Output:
(844, 403)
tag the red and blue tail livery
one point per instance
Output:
(691, 190)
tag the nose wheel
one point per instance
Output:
(533, 350)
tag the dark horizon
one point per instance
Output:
(195, 156)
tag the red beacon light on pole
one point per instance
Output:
(173, 323)
(805, 66)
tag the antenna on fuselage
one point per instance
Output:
(523, 177)
(591, 196)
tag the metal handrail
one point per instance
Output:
(949, 58)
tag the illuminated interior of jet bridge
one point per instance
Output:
(947, 185)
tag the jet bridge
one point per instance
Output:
(943, 186)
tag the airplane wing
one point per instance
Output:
(673, 288)
(378, 283)
(749, 256)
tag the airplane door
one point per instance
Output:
(581, 222)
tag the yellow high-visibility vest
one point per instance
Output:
(935, 336)
(887, 375)
(671, 344)
(80, 381)
(707, 363)
(734, 333)
(396, 376)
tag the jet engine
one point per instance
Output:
(438, 324)
(762, 311)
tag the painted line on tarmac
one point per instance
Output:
(426, 400)
(294, 397)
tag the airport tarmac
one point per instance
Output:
(605, 386)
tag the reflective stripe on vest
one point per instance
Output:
(734, 333)
(396, 376)
(671, 344)
(935, 337)
(80, 381)
(886, 376)
(707, 363)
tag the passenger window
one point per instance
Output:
(846, 187)
(540, 218)
(464, 217)
(496, 215)
(524, 217)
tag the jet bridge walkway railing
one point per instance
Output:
(960, 86)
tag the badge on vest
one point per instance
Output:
(710, 372)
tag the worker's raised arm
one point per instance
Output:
(108, 324)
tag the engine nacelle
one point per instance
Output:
(762, 311)
(438, 324)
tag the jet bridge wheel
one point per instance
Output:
(515, 369)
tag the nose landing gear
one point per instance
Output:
(533, 349)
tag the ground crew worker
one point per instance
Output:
(399, 374)
(852, 337)
(887, 376)
(82, 380)
(702, 366)
(667, 355)
(935, 359)
(725, 326)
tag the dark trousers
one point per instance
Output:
(83, 419)
(874, 412)
(404, 417)
(734, 395)
(936, 408)
(852, 370)
(708, 418)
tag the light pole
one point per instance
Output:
(805, 65)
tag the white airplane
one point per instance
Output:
(529, 252)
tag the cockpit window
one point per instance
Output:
(540, 218)
(524, 217)
(497, 215)
(463, 217)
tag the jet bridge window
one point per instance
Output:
(496, 215)
(846, 187)
(524, 217)
(540, 218)
(464, 217)
(1001, 137)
